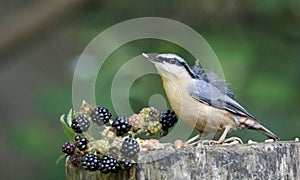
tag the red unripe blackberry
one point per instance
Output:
(80, 124)
(68, 148)
(167, 119)
(90, 161)
(122, 125)
(125, 164)
(100, 115)
(109, 164)
(75, 160)
(130, 148)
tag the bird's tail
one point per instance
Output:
(250, 123)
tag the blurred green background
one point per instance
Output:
(257, 43)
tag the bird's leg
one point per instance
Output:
(223, 139)
(191, 140)
(223, 136)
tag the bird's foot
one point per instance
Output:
(231, 140)
(194, 140)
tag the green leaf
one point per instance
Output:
(70, 116)
(60, 158)
(70, 134)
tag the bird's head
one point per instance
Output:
(170, 65)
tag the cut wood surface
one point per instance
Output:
(272, 160)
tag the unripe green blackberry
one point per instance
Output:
(154, 128)
(80, 124)
(125, 164)
(149, 114)
(100, 115)
(122, 125)
(130, 148)
(102, 145)
(68, 148)
(136, 121)
(167, 119)
(108, 164)
(81, 143)
(90, 161)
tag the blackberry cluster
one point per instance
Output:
(68, 148)
(108, 164)
(149, 121)
(90, 161)
(125, 164)
(80, 124)
(167, 119)
(100, 115)
(130, 148)
(122, 125)
(81, 143)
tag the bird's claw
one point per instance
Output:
(231, 140)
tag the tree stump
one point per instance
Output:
(272, 160)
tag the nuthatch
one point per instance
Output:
(201, 99)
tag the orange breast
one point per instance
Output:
(199, 115)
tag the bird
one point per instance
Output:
(201, 99)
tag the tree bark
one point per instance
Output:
(274, 160)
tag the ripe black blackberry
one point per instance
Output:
(68, 148)
(122, 125)
(77, 138)
(167, 119)
(80, 124)
(125, 164)
(100, 115)
(130, 148)
(108, 164)
(81, 143)
(90, 161)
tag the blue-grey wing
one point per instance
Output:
(209, 94)
(212, 78)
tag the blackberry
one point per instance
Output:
(81, 143)
(77, 138)
(75, 160)
(125, 164)
(149, 114)
(90, 161)
(68, 148)
(80, 124)
(167, 119)
(100, 115)
(137, 122)
(130, 148)
(154, 128)
(108, 164)
(122, 125)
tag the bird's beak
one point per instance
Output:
(150, 57)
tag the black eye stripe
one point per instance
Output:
(188, 69)
(178, 63)
(169, 60)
